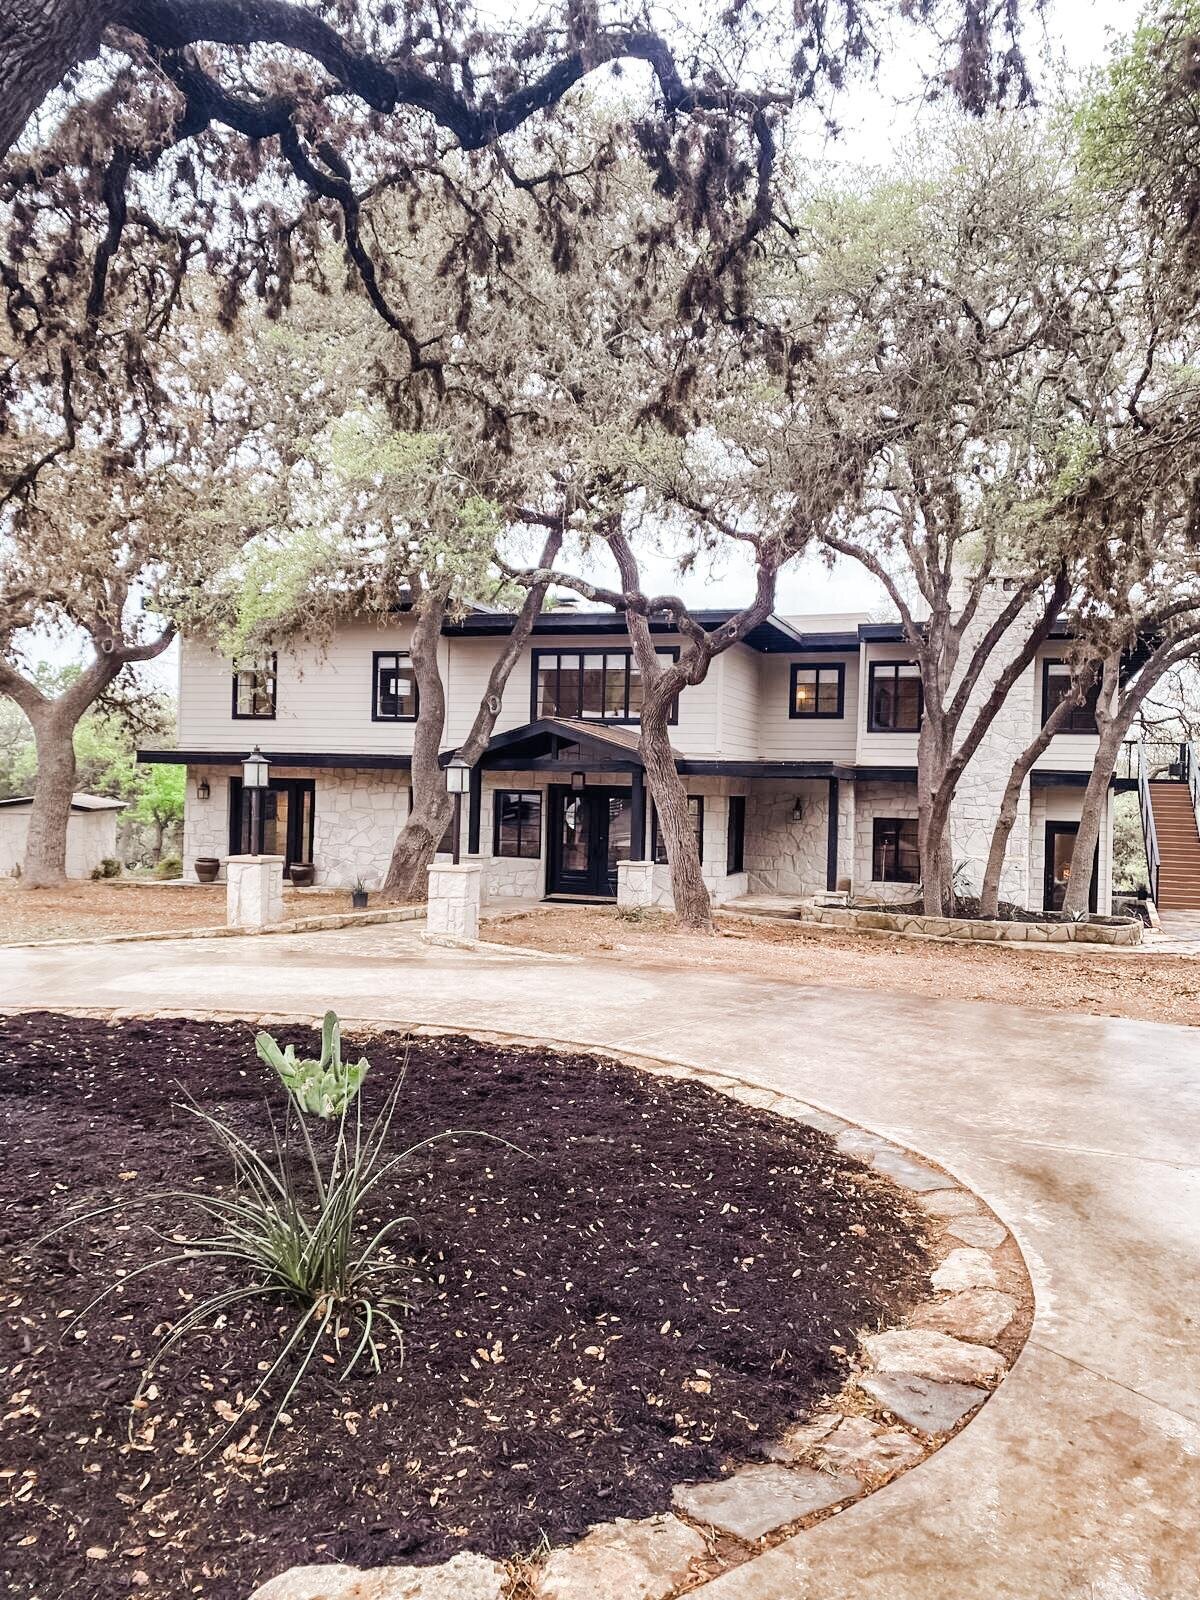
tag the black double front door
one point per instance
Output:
(590, 831)
(280, 825)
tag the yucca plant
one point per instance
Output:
(295, 1224)
(321, 1088)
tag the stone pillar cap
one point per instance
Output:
(256, 861)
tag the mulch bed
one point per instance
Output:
(657, 1285)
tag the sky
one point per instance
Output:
(1074, 38)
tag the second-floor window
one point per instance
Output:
(254, 682)
(1056, 686)
(895, 700)
(595, 686)
(818, 691)
(395, 690)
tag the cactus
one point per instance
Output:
(321, 1088)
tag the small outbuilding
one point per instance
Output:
(91, 832)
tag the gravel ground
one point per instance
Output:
(1148, 988)
(87, 910)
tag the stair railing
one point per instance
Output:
(1149, 832)
(1189, 761)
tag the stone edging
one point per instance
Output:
(973, 929)
(918, 1385)
(336, 919)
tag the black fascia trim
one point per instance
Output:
(274, 758)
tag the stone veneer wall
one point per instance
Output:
(879, 800)
(785, 856)
(358, 813)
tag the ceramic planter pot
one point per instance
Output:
(358, 899)
(302, 874)
(207, 868)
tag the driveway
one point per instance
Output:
(1081, 1479)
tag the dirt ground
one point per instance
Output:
(1148, 988)
(86, 910)
(625, 1283)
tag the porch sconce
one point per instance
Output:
(202, 789)
(458, 783)
(797, 809)
(578, 781)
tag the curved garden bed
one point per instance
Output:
(655, 1281)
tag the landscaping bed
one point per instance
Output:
(654, 1281)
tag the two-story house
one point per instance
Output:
(798, 752)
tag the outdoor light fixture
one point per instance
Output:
(202, 789)
(458, 783)
(256, 774)
(797, 809)
(578, 781)
(255, 770)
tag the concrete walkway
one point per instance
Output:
(1081, 1479)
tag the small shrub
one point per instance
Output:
(169, 867)
(110, 867)
(634, 914)
(322, 1088)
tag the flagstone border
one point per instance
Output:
(917, 1386)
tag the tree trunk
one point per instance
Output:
(45, 865)
(157, 847)
(40, 41)
(407, 876)
(933, 808)
(989, 895)
(693, 906)
(1095, 800)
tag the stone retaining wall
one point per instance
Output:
(1110, 933)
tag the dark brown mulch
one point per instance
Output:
(661, 1283)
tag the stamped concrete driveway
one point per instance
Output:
(1081, 1478)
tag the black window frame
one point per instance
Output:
(272, 676)
(1085, 710)
(818, 667)
(535, 712)
(661, 861)
(378, 656)
(519, 854)
(899, 824)
(735, 835)
(878, 668)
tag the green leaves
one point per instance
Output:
(322, 1088)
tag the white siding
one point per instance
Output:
(786, 738)
(882, 749)
(738, 701)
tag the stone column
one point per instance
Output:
(254, 891)
(454, 898)
(635, 883)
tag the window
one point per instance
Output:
(1056, 686)
(395, 687)
(598, 686)
(254, 687)
(818, 691)
(895, 857)
(518, 824)
(735, 838)
(658, 846)
(895, 700)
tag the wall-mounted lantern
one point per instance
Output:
(202, 789)
(797, 809)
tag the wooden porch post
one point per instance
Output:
(474, 809)
(637, 816)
